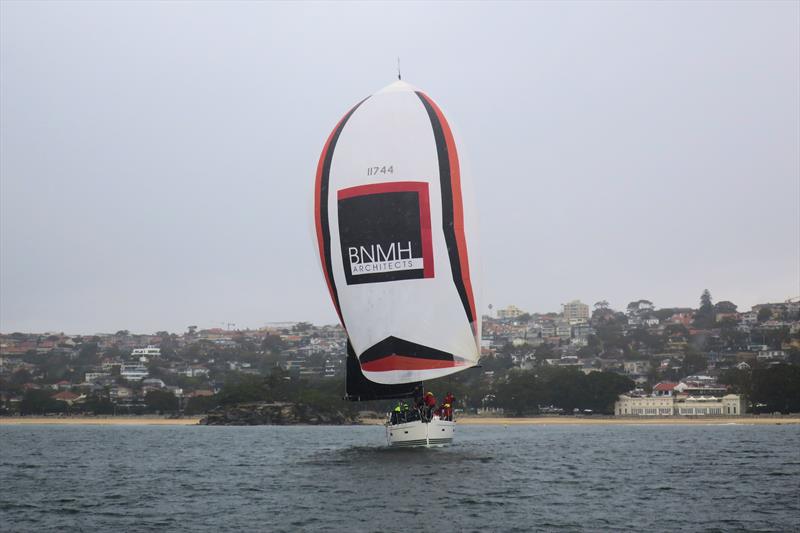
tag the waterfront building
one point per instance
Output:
(680, 405)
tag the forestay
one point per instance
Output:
(394, 239)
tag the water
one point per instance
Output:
(521, 478)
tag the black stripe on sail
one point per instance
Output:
(323, 206)
(394, 346)
(448, 225)
(360, 389)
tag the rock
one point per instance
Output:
(274, 413)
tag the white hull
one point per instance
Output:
(417, 433)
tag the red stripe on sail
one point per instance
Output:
(317, 219)
(377, 188)
(404, 362)
(458, 207)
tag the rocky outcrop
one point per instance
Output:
(275, 413)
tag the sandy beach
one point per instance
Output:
(465, 421)
(99, 421)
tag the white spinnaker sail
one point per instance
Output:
(390, 224)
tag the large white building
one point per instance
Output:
(728, 405)
(145, 354)
(575, 312)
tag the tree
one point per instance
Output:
(694, 363)
(37, 402)
(161, 401)
(603, 390)
(20, 377)
(88, 354)
(301, 327)
(273, 344)
(705, 299)
(524, 318)
(519, 393)
(704, 318)
(764, 314)
(545, 351)
(777, 388)
(98, 405)
(740, 381)
(200, 405)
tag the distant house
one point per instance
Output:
(563, 330)
(153, 383)
(68, 397)
(719, 317)
(120, 393)
(177, 391)
(636, 368)
(145, 354)
(582, 331)
(194, 371)
(512, 311)
(681, 318)
(133, 372)
(664, 388)
(91, 377)
(750, 318)
(771, 355)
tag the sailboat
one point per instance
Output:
(396, 242)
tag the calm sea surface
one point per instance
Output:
(531, 478)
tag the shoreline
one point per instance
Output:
(609, 421)
(464, 421)
(98, 421)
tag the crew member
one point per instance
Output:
(430, 404)
(396, 414)
(449, 401)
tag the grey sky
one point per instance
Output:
(157, 159)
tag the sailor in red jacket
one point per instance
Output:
(449, 400)
(430, 404)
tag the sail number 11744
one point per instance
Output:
(386, 169)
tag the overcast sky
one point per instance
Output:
(157, 159)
